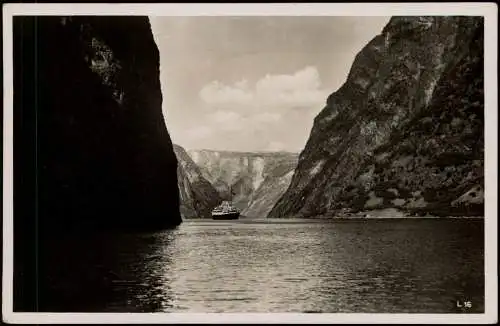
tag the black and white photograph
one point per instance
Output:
(241, 163)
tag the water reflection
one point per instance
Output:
(106, 272)
(402, 266)
(145, 266)
(349, 266)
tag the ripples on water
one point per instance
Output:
(355, 266)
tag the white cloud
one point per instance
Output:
(251, 114)
(225, 116)
(305, 79)
(223, 120)
(216, 93)
(267, 117)
(226, 120)
(275, 146)
(199, 132)
(272, 93)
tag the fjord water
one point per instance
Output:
(384, 265)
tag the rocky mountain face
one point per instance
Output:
(405, 131)
(197, 196)
(257, 180)
(272, 188)
(92, 150)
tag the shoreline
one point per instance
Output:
(400, 218)
(390, 213)
(333, 219)
(379, 214)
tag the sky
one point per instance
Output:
(253, 83)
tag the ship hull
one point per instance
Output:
(228, 216)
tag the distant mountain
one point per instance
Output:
(197, 196)
(257, 179)
(405, 131)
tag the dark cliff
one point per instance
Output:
(197, 196)
(405, 131)
(92, 151)
(257, 179)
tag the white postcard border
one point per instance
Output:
(488, 10)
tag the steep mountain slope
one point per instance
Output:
(272, 188)
(197, 196)
(406, 129)
(92, 150)
(257, 179)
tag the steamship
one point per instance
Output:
(226, 210)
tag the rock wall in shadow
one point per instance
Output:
(91, 149)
